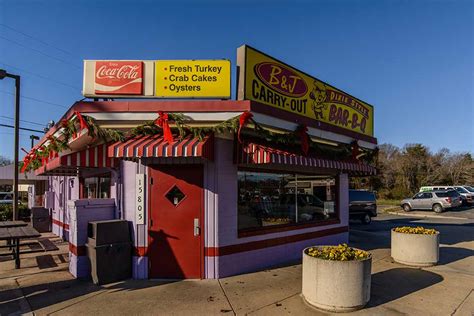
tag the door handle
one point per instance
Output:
(197, 228)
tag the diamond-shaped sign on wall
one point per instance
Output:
(175, 195)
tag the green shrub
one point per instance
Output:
(6, 211)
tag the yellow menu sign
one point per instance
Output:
(273, 83)
(192, 79)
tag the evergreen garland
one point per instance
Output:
(285, 140)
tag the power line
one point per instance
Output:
(11, 133)
(36, 39)
(40, 76)
(23, 128)
(40, 52)
(25, 121)
(37, 100)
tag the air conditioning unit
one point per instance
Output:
(49, 199)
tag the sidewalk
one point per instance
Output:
(442, 290)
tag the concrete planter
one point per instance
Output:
(336, 286)
(415, 249)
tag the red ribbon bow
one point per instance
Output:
(302, 132)
(82, 122)
(355, 150)
(162, 121)
(27, 160)
(64, 123)
(243, 120)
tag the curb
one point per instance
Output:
(427, 216)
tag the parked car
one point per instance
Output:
(466, 195)
(438, 201)
(6, 198)
(362, 205)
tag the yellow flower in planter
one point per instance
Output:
(340, 252)
(416, 230)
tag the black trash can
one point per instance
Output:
(40, 219)
(109, 248)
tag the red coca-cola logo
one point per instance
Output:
(281, 78)
(119, 77)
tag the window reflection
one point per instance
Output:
(97, 187)
(268, 199)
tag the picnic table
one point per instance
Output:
(13, 235)
(12, 224)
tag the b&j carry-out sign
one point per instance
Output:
(271, 82)
(157, 79)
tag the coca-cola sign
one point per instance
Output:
(118, 77)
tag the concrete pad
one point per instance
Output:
(293, 305)
(30, 263)
(12, 301)
(427, 214)
(467, 306)
(56, 288)
(250, 292)
(135, 297)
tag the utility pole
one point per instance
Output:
(3, 74)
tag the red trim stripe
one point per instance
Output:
(78, 250)
(140, 251)
(60, 224)
(255, 245)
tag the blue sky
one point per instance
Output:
(413, 60)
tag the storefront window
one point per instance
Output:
(271, 199)
(96, 187)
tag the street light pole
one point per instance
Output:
(33, 138)
(16, 145)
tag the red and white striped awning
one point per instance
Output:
(156, 146)
(252, 153)
(68, 164)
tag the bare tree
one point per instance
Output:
(4, 161)
(460, 168)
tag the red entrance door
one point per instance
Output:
(175, 221)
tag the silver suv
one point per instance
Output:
(437, 201)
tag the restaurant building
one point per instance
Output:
(211, 187)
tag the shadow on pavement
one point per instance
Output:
(451, 233)
(452, 254)
(47, 294)
(396, 283)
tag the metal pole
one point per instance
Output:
(16, 146)
(33, 138)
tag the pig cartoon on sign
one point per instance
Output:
(318, 95)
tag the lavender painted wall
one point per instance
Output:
(220, 193)
(129, 169)
(67, 189)
(254, 260)
(81, 212)
(64, 189)
(221, 229)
